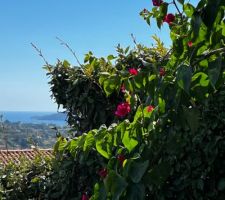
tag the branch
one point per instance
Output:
(174, 2)
(40, 54)
(70, 49)
(134, 39)
(206, 55)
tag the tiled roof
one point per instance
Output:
(14, 156)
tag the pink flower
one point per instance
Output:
(150, 108)
(85, 197)
(103, 173)
(133, 71)
(169, 18)
(190, 44)
(121, 158)
(122, 109)
(162, 71)
(123, 89)
(157, 2)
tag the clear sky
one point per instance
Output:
(84, 24)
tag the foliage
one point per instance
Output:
(28, 180)
(152, 121)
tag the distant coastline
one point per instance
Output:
(54, 116)
(35, 117)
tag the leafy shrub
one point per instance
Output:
(28, 180)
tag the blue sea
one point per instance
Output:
(32, 117)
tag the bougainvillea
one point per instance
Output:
(122, 109)
(169, 18)
(133, 71)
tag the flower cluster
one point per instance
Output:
(122, 109)
(169, 18)
(133, 71)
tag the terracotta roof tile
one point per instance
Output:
(7, 156)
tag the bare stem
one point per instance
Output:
(174, 2)
(40, 54)
(70, 49)
(134, 39)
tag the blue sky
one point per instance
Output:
(84, 24)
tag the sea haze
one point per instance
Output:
(35, 117)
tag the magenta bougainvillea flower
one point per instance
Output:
(103, 173)
(150, 108)
(190, 44)
(169, 18)
(85, 197)
(162, 71)
(133, 71)
(122, 109)
(121, 158)
(157, 2)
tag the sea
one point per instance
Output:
(59, 119)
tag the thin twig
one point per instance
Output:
(174, 2)
(40, 54)
(134, 39)
(167, 54)
(70, 49)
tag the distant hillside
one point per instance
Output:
(22, 136)
(55, 117)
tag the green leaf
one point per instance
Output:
(136, 170)
(136, 192)
(184, 76)
(89, 141)
(192, 117)
(115, 185)
(138, 80)
(215, 70)
(66, 63)
(111, 84)
(203, 81)
(163, 10)
(162, 105)
(188, 9)
(196, 24)
(129, 142)
(60, 144)
(111, 57)
(102, 142)
(138, 114)
(103, 76)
